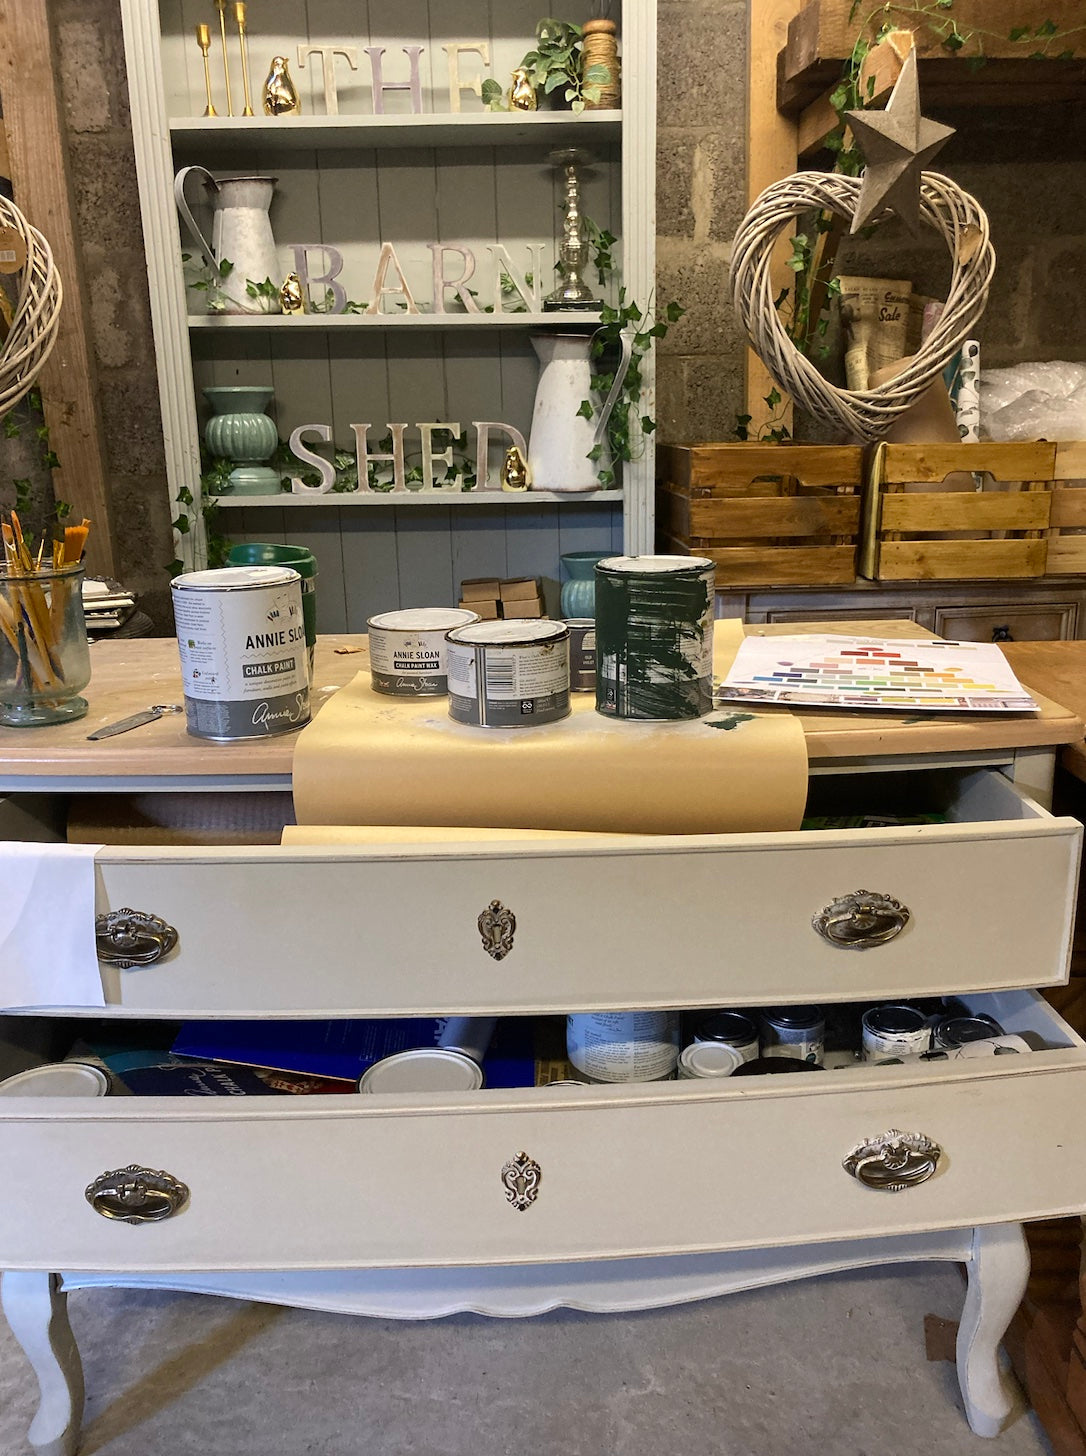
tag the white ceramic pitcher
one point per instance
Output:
(561, 439)
(240, 232)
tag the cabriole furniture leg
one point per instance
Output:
(36, 1308)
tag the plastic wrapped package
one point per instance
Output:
(1043, 401)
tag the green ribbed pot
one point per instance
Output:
(240, 431)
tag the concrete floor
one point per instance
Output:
(830, 1367)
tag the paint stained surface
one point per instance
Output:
(654, 639)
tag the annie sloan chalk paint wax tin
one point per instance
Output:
(708, 1059)
(731, 1028)
(509, 674)
(654, 636)
(582, 654)
(423, 1069)
(408, 651)
(624, 1046)
(893, 1033)
(955, 1031)
(241, 636)
(798, 1032)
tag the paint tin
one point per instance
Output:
(893, 1032)
(761, 1066)
(241, 636)
(708, 1059)
(624, 1046)
(408, 650)
(582, 654)
(57, 1079)
(797, 1032)
(731, 1028)
(654, 637)
(509, 674)
(423, 1069)
(955, 1031)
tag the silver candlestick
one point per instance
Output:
(572, 292)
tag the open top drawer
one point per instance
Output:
(983, 900)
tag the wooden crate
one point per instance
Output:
(766, 515)
(998, 531)
(1067, 534)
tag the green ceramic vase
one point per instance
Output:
(240, 431)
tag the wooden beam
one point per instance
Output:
(34, 122)
(771, 151)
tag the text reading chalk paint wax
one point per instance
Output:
(408, 653)
(241, 637)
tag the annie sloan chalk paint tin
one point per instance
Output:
(654, 636)
(582, 654)
(509, 674)
(407, 650)
(731, 1028)
(624, 1046)
(708, 1059)
(241, 636)
(797, 1032)
(893, 1033)
(423, 1069)
(955, 1031)
(57, 1079)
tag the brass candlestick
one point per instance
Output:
(572, 292)
(203, 40)
(220, 6)
(239, 16)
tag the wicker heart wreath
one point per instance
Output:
(866, 414)
(35, 311)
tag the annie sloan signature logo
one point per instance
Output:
(296, 711)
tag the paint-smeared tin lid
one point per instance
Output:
(57, 1079)
(654, 565)
(423, 619)
(423, 1069)
(235, 578)
(510, 632)
(709, 1059)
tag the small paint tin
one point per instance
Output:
(624, 1046)
(582, 654)
(423, 1069)
(654, 637)
(708, 1059)
(408, 650)
(955, 1031)
(509, 674)
(244, 663)
(732, 1028)
(57, 1079)
(797, 1032)
(893, 1032)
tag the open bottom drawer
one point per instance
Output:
(660, 1168)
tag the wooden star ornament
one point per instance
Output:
(897, 144)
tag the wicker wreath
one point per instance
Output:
(36, 312)
(866, 414)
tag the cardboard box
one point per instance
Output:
(488, 611)
(520, 589)
(480, 588)
(523, 609)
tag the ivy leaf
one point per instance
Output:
(954, 41)
(674, 312)
(648, 424)
(1019, 31)
(595, 453)
(773, 398)
(585, 411)
(181, 525)
(1046, 27)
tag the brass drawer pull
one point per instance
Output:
(137, 1195)
(861, 920)
(894, 1161)
(132, 938)
(497, 926)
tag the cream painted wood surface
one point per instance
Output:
(413, 1180)
(354, 181)
(395, 930)
(129, 675)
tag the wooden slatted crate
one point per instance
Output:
(997, 531)
(1067, 534)
(766, 515)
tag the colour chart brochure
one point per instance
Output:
(892, 674)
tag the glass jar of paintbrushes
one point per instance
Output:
(44, 656)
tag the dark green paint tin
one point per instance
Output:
(654, 637)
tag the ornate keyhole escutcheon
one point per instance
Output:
(521, 1178)
(497, 926)
(861, 920)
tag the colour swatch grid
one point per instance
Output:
(859, 672)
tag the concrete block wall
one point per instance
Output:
(1028, 168)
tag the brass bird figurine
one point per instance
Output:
(522, 95)
(280, 97)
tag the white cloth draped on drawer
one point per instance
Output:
(368, 759)
(47, 950)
